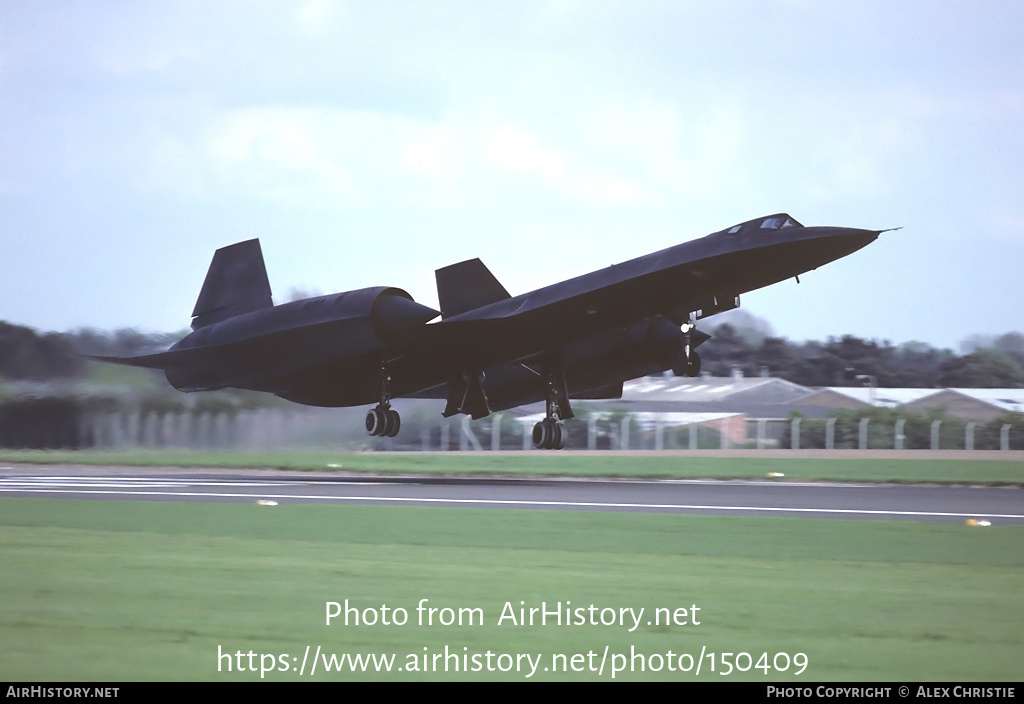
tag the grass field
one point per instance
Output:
(98, 590)
(901, 468)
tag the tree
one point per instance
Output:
(1012, 345)
(24, 354)
(917, 364)
(729, 350)
(123, 342)
(984, 368)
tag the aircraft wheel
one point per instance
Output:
(693, 365)
(542, 435)
(376, 420)
(680, 366)
(393, 423)
(549, 435)
(558, 436)
(379, 421)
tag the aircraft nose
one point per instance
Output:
(841, 241)
(846, 234)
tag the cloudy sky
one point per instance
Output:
(368, 143)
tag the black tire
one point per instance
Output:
(693, 366)
(394, 423)
(680, 366)
(549, 434)
(376, 421)
(542, 435)
(559, 435)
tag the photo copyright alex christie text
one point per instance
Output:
(559, 613)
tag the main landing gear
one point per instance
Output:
(687, 361)
(383, 420)
(550, 434)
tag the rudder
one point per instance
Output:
(467, 286)
(236, 283)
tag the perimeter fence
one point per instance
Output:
(55, 424)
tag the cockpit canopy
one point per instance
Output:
(779, 221)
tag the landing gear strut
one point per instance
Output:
(383, 420)
(550, 434)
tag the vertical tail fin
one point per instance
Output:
(467, 286)
(236, 283)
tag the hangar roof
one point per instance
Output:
(885, 398)
(1008, 400)
(708, 389)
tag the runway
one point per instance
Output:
(702, 497)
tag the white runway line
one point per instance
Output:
(528, 502)
(74, 483)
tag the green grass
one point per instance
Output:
(99, 590)
(530, 463)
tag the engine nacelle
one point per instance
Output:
(256, 349)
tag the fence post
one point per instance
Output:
(104, 430)
(762, 424)
(134, 419)
(170, 431)
(592, 431)
(898, 435)
(1004, 438)
(862, 434)
(624, 433)
(468, 438)
(223, 430)
(935, 434)
(495, 432)
(969, 436)
(794, 434)
(149, 433)
(830, 434)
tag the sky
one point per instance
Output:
(369, 143)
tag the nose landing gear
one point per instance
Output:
(550, 434)
(687, 361)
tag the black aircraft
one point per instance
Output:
(578, 339)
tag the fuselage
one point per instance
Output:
(693, 277)
(603, 327)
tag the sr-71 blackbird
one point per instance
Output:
(578, 339)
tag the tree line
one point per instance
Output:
(29, 355)
(988, 362)
(991, 363)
